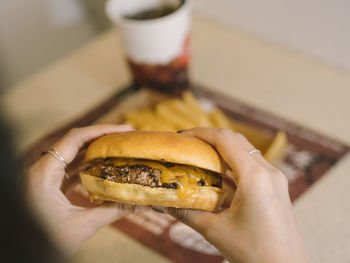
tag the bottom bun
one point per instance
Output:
(205, 198)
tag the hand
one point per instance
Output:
(259, 225)
(69, 226)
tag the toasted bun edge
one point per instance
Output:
(205, 198)
(159, 146)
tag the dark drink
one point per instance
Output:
(156, 41)
(154, 13)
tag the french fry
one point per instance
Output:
(176, 114)
(136, 118)
(180, 108)
(277, 147)
(159, 126)
(147, 120)
(195, 109)
(191, 101)
(165, 112)
(219, 120)
(198, 119)
(271, 147)
(260, 139)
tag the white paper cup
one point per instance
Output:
(157, 49)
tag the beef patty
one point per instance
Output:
(134, 174)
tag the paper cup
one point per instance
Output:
(157, 49)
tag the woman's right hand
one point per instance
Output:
(259, 225)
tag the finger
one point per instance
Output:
(256, 155)
(70, 144)
(68, 147)
(198, 220)
(230, 146)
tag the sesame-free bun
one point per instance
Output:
(159, 146)
(205, 198)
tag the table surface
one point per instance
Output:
(297, 88)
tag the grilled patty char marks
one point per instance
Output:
(134, 174)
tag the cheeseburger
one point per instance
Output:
(154, 168)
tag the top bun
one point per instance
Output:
(159, 146)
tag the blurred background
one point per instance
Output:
(290, 58)
(34, 33)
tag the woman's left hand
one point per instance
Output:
(69, 226)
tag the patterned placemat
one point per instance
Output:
(309, 155)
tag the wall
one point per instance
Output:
(318, 28)
(36, 32)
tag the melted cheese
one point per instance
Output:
(186, 177)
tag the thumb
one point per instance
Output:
(198, 220)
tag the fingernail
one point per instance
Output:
(179, 131)
(159, 209)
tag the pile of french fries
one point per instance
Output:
(177, 114)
